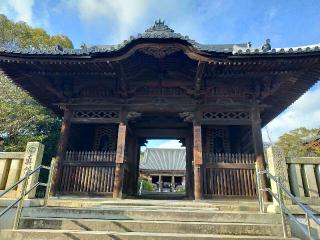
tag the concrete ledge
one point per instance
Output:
(4, 202)
(153, 226)
(108, 235)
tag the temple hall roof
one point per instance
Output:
(164, 159)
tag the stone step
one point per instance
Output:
(159, 214)
(227, 205)
(104, 235)
(153, 226)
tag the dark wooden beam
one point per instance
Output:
(62, 148)
(256, 131)
(258, 143)
(199, 76)
(48, 86)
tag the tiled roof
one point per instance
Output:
(310, 139)
(164, 159)
(160, 31)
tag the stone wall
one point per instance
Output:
(301, 175)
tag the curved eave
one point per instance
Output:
(190, 51)
(292, 92)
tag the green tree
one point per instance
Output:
(20, 34)
(22, 118)
(291, 143)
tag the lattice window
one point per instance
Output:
(105, 138)
(225, 115)
(105, 114)
(218, 134)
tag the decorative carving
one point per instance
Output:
(93, 91)
(133, 115)
(160, 101)
(159, 26)
(159, 52)
(225, 115)
(105, 138)
(160, 91)
(266, 46)
(226, 92)
(30, 151)
(187, 116)
(218, 140)
(96, 114)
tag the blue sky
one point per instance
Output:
(285, 22)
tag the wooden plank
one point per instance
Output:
(95, 120)
(197, 145)
(122, 132)
(89, 164)
(120, 158)
(223, 122)
(221, 165)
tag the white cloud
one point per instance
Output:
(19, 10)
(171, 144)
(123, 15)
(271, 13)
(119, 19)
(305, 112)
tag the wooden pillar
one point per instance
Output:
(258, 143)
(119, 172)
(160, 183)
(189, 168)
(61, 151)
(197, 161)
(256, 132)
(172, 183)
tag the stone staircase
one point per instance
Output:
(145, 219)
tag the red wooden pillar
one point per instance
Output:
(119, 172)
(197, 161)
(61, 151)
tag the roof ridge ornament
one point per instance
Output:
(159, 26)
(267, 45)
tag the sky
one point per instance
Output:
(285, 22)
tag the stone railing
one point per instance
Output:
(13, 166)
(301, 175)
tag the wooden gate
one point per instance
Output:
(88, 172)
(229, 175)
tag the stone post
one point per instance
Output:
(32, 159)
(278, 167)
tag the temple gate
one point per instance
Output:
(160, 84)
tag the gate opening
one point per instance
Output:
(162, 169)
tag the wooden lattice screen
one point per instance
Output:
(88, 172)
(229, 175)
